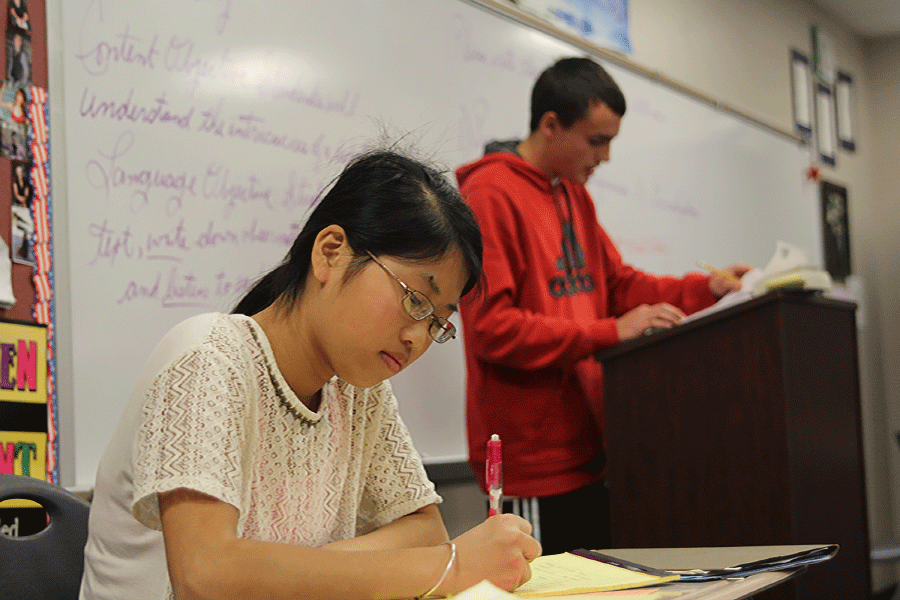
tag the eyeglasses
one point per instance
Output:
(420, 307)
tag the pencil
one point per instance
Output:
(719, 272)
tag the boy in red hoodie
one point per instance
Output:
(555, 292)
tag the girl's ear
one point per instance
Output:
(330, 253)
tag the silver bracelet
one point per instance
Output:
(446, 570)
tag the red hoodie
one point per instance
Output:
(553, 285)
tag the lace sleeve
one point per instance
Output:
(396, 482)
(193, 433)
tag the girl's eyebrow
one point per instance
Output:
(437, 291)
(433, 284)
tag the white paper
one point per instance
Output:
(731, 298)
(483, 591)
(786, 257)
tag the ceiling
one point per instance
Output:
(868, 18)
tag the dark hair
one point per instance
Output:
(569, 87)
(387, 203)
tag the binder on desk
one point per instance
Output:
(773, 563)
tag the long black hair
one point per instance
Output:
(387, 203)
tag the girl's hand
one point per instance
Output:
(498, 550)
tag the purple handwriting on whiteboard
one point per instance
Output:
(645, 245)
(216, 184)
(644, 107)
(220, 187)
(105, 174)
(125, 48)
(156, 111)
(681, 208)
(252, 128)
(112, 243)
(300, 193)
(174, 242)
(222, 16)
(149, 51)
(608, 185)
(504, 59)
(128, 48)
(343, 102)
(173, 288)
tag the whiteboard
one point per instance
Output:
(195, 135)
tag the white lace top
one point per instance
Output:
(214, 414)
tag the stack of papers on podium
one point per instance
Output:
(788, 269)
(799, 278)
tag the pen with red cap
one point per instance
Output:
(494, 474)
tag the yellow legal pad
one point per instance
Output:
(571, 573)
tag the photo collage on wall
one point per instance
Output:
(16, 128)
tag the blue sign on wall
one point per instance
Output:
(602, 22)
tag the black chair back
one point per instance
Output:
(49, 564)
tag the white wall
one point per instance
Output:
(883, 62)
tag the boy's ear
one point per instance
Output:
(330, 252)
(549, 123)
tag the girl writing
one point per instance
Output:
(262, 454)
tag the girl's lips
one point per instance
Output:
(392, 363)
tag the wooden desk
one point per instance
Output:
(708, 590)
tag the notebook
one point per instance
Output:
(582, 571)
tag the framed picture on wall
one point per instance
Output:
(825, 124)
(800, 86)
(843, 113)
(835, 230)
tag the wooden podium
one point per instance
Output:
(742, 428)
